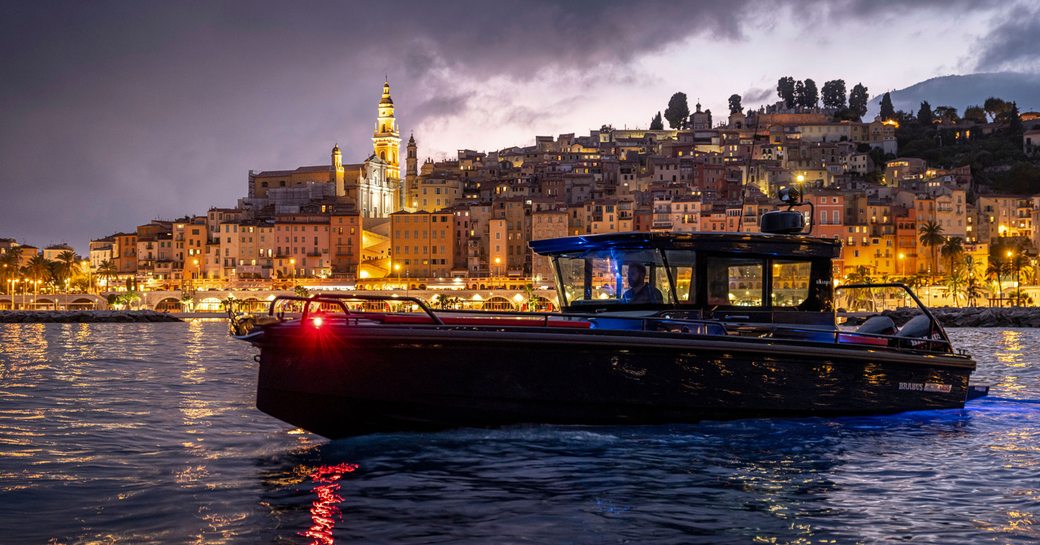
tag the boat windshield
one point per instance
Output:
(614, 276)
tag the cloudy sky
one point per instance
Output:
(116, 113)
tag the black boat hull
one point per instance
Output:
(342, 381)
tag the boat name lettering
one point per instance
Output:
(925, 387)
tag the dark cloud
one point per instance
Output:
(756, 95)
(1012, 45)
(114, 113)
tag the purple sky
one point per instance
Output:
(116, 113)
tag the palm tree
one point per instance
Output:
(956, 286)
(953, 250)
(932, 237)
(38, 268)
(859, 275)
(106, 270)
(68, 263)
(996, 269)
(9, 264)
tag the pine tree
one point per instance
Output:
(734, 104)
(834, 94)
(976, 114)
(925, 116)
(1014, 121)
(996, 108)
(887, 110)
(811, 95)
(656, 124)
(785, 87)
(858, 99)
(677, 112)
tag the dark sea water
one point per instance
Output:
(147, 433)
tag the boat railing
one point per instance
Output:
(340, 300)
(929, 329)
(310, 306)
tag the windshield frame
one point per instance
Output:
(659, 276)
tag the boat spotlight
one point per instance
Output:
(790, 195)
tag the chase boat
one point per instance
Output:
(740, 325)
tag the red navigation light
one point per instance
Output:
(317, 321)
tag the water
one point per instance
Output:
(146, 433)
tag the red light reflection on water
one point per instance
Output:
(325, 510)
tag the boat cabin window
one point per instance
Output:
(735, 281)
(683, 266)
(791, 281)
(604, 277)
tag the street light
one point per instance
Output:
(902, 264)
(292, 264)
(498, 263)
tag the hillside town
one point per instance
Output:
(465, 222)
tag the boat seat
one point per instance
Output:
(878, 325)
(918, 327)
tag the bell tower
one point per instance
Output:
(336, 172)
(411, 176)
(386, 141)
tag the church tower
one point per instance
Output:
(386, 142)
(412, 166)
(336, 172)
(409, 197)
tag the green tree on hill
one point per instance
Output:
(785, 88)
(997, 108)
(678, 110)
(947, 114)
(1014, 121)
(656, 123)
(834, 94)
(810, 95)
(976, 114)
(858, 100)
(734, 104)
(925, 117)
(887, 110)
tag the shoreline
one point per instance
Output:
(84, 316)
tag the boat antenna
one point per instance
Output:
(743, 188)
(743, 197)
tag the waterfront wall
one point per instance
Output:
(976, 316)
(83, 316)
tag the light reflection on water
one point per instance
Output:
(147, 433)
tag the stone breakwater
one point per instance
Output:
(976, 317)
(83, 316)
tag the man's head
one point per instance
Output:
(636, 275)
